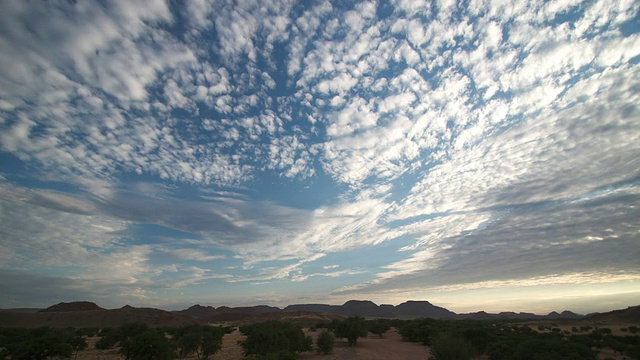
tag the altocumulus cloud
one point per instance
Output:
(165, 153)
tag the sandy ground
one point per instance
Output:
(230, 348)
(391, 346)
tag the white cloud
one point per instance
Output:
(340, 84)
(194, 254)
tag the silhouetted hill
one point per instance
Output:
(423, 309)
(366, 308)
(72, 306)
(94, 318)
(564, 315)
(88, 314)
(570, 315)
(628, 315)
(359, 308)
(198, 311)
(508, 315)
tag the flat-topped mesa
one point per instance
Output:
(359, 308)
(423, 309)
(73, 306)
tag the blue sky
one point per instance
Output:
(482, 155)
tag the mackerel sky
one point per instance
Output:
(482, 155)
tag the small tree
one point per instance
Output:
(211, 342)
(149, 345)
(379, 327)
(78, 343)
(187, 342)
(273, 338)
(351, 328)
(325, 342)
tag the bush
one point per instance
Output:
(449, 346)
(37, 344)
(202, 340)
(351, 328)
(420, 330)
(148, 345)
(378, 327)
(325, 342)
(106, 342)
(275, 337)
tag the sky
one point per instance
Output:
(481, 155)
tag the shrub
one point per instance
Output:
(450, 346)
(351, 328)
(148, 345)
(106, 342)
(202, 340)
(275, 337)
(36, 344)
(325, 342)
(420, 330)
(378, 327)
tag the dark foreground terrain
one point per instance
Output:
(85, 331)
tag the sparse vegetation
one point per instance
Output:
(149, 344)
(201, 340)
(40, 344)
(133, 341)
(451, 346)
(508, 341)
(274, 339)
(447, 339)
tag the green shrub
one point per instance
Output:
(275, 337)
(378, 327)
(202, 340)
(147, 345)
(37, 344)
(351, 328)
(325, 342)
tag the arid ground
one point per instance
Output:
(391, 346)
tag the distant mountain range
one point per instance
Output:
(88, 314)
(84, 314)
(407, 310)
